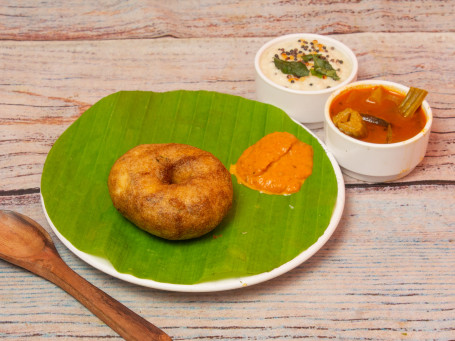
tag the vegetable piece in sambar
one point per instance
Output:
(351, 123)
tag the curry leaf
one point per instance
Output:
(307, 57)
(322, 67)
(297, 69)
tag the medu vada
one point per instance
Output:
(173, 191)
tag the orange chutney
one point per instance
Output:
(278, 163)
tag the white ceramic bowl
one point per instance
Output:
(373, 162)
(306, 107)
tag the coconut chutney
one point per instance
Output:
(284, 63)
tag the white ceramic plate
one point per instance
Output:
(226, 284)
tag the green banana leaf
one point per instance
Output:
(260, 233)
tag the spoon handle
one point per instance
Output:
(25, 243)
(124, 321)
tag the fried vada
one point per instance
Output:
(173, 191)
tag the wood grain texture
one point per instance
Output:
(25, 243)
(387, 273)
(58, 81)
(380, 277)
(82, 20)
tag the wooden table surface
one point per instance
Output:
(387, 273)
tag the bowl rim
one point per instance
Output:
(344, 48)
(390, 85)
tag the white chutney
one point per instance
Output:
(292, 49)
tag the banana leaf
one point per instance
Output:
(260, 233)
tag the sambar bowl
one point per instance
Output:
(375, 162)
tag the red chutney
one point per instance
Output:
(278, 163)
(382, 103)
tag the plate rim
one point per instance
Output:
(104, 265)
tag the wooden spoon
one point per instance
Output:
(25, 243)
